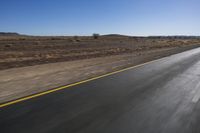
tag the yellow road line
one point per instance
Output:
(70, 85)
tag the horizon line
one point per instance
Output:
(117, 34)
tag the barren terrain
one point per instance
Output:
(17, 51)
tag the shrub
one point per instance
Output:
(77, 39)
(8, 45)
(96, 36)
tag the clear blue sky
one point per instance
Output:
(84, 17)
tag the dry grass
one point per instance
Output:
(16, 51)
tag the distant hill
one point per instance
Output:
(9, 34)
(115, 35)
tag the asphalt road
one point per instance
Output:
(158, 97)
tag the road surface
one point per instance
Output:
(159, 97)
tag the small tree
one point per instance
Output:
(96, 36)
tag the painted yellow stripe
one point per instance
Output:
(70, 85)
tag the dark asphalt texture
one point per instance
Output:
(159, 97)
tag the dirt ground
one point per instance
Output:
(18, 51)
(35, 64)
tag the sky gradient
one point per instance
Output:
(84, 17)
